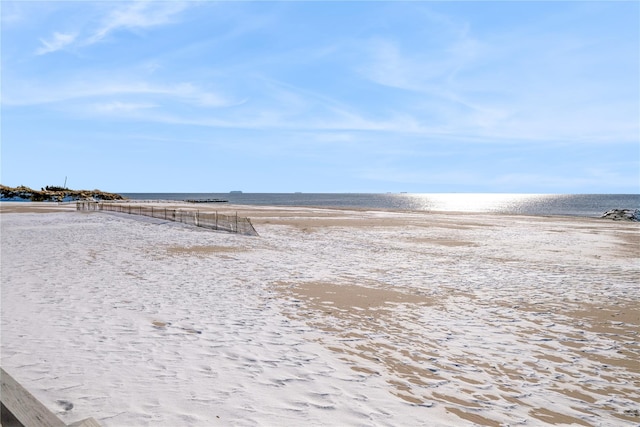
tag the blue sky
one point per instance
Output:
(204, 96)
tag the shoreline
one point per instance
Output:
(264, 210)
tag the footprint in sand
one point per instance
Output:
(65, 405)
(163, 327)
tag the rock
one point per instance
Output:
(53, 194)
(622, 214)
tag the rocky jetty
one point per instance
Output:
(622, 214)
(53, 194)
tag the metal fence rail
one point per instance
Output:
(211, 220)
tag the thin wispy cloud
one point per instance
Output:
(519, 104)
(57, 42)
(138, 15)
(11, 14)
(123, 16)
(121, 107)
(31, 93)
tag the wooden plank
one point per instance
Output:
(7, 419)
(24, 406)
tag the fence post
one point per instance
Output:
(236, 221)
(216, 220)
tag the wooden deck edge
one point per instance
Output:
(21, 409)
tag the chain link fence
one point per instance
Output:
(211, 220)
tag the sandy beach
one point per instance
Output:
(329, 317)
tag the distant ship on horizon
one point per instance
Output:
(235, 192)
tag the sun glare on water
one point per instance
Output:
(474, 202)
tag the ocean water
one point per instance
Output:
(587, 205)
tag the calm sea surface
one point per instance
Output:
(590, 205)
